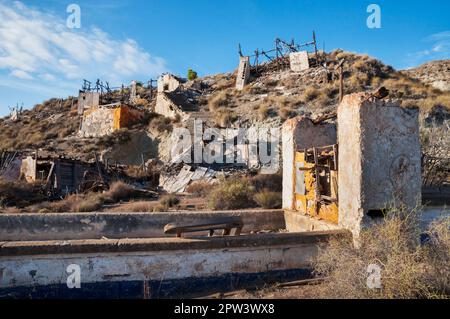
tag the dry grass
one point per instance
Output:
(268, 199)
(219, 100)
(136, 207)
(409, 269)
(90, 202)
(224, 117)
(263, 112)
(169, 201)
(161, 124)
(310, 94)
(199, 188)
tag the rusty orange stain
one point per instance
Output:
(306, 203)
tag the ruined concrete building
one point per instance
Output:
(379, 159)
(349, 176)
(299, 61)
(169, 82)
(173, 100)
(99, 120)
(87, 100)
(243, 72)
(61, 175)
(105, 119)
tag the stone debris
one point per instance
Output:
(178, 182)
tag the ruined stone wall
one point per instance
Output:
(300, 133)
(97, 121)
(28, 169)
(168, 83)
(379, 158)
(102, 121)
(243, 73)
(87, 100)
(166, 107)
(299, 61)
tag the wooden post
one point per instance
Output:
(315, 47)
(341, 80)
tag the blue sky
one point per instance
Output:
(123, 40)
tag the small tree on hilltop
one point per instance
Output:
(192, 75)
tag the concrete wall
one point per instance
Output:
(243, 72)
(168, 83)
(28, 169)
(298, 222)
(300, 133)
(379, 158)
(60, 226)
(37, 264)
(166, 107)
(299, 61)
(87, 100)
(102, 120)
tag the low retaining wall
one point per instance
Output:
(65, 226)
(136, 268)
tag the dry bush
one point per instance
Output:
(118, 137)
(310, 94)
(169, 201)
(409, 269)
(221, 99)
(90, 204)
(232, 193)
(135, 207)
(268, 199)
(20, 194)
(263, 112)
(435, 101)
(161, 124)
(120, 191)
(159, 208)
(199, 188)
(224, 117)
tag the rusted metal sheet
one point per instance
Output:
(316, 183)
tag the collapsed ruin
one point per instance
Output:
(105, 119)
(337, 179)
(350, 175)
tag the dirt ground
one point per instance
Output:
(311, 291)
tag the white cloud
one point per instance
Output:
(38, 45)
(21, 75)
(438, 48)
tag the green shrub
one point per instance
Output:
(192, 75)
(232, 193)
